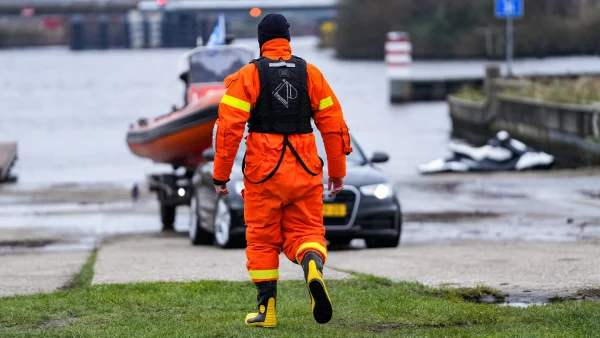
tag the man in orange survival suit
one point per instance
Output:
(277, 95)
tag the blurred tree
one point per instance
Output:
(467, 28)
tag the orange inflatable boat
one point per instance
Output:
(179, 137)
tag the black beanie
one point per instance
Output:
(273, 26)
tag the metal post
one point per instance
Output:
(509, 45)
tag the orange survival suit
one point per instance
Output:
(283, 184)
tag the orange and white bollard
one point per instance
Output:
(398, 59)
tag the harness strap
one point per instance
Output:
(271, 117)
(286, 144)
(300, 159)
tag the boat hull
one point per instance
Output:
(178, 138)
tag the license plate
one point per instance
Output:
(334, 210)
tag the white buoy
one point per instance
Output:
(398, 59)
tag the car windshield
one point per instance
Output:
(355, 158)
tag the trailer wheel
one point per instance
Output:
(167, 217)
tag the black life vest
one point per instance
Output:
(283, 105)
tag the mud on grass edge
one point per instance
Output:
(478, 294)
(592, 294)
(85, 275)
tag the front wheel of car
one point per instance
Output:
(383, 242)
(198, 236)
(222, 227)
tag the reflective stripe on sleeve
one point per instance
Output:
(236, 103)
(326, 103)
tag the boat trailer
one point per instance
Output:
(172, 190)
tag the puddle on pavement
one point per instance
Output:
(72, 217)
(68, 193)
(447, 216)
(513, 228)
(47, 242)
(93, 210)
(497, 194)
(447, 187)
(591, 193)
(99, 210)
(24, 209)
(525, 301)
(521, 305)
(27, 243)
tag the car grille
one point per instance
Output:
(376, 222)
(347, 197)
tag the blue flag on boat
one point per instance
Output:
(218, 34)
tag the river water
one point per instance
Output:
(69, 111)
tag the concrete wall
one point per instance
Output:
(569, 132)
(470, 120)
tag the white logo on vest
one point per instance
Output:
(284, 96)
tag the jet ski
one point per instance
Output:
(501, 153)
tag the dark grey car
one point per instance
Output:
(372, 209)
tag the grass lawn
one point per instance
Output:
(363, 307)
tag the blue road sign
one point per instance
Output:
(509, 8)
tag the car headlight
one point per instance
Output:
(381, 191)
(238, 186)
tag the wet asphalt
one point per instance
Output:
(527, 234)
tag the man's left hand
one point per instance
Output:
(221, 189)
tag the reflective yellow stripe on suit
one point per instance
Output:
(326, 103)
(312, 245)
(264, 274)
(236, 103)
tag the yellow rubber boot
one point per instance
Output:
(313, 274)
(265, 317)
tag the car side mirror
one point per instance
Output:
(209, 154)
(380, 157)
